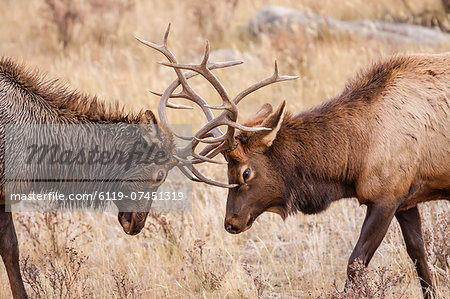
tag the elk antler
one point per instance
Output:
(210, 133)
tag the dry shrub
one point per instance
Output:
(96, 18)
(63, 15)
(446, 4)
(437, 240)
(159, 223)
(32, 276)
(436, 18)
(261, 284)
(196, 268)
(293, 46)
(437, 244)
(210, 277)
(51, 233)
(53, 266)
(214, 18)
(124, 288)
(108, 17)
(369, 283)
(60, 278)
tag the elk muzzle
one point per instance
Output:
(132, 222)
(236, 224)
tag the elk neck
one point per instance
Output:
(322, 149)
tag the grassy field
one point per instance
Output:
(91, 47)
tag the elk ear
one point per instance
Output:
(149, 127)
(274, 121)
(148, 118)
(260, 116)
(264, 112)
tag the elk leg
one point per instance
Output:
(375, 226)
(9, 250)
(412, 233)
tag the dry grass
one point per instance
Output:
(91, 46)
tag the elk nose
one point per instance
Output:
(230, 228)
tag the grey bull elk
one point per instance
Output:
(384, 140)
(25, 98)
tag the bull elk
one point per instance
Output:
(25, 98)
(384, 140)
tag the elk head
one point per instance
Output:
(251, 167)
(249, 180)
(133, 214)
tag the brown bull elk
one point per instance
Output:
(25, 98)
(384, 140)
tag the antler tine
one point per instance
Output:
(206, 159)
(203, 70)
(173, 96)
(187, 90)
(166, 35)
(181, 160)
(176, 106)
(208, 181)
(199, 157)
(210, 140)
(218, 107)
(210, 151)
(208, 128)
(205, 56)
(163, 49)
(190, 138)
(187, 138)
(274, 78)
(190, 74)
(183, 169)
(245, 128)
(208, 75)
(200, 178)
(164, 102)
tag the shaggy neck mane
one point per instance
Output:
(320, 167)
(71, 106)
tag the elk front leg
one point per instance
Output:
(375, 226)
(9, 250)
(412, 233)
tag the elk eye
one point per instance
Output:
(160, 176)
(246, 174)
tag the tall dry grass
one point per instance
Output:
(87, 255)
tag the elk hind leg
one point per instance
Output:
(411, 226)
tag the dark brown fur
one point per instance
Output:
(56, 101)
(384, 140)
(28, 98)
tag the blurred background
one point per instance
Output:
(90, 46)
